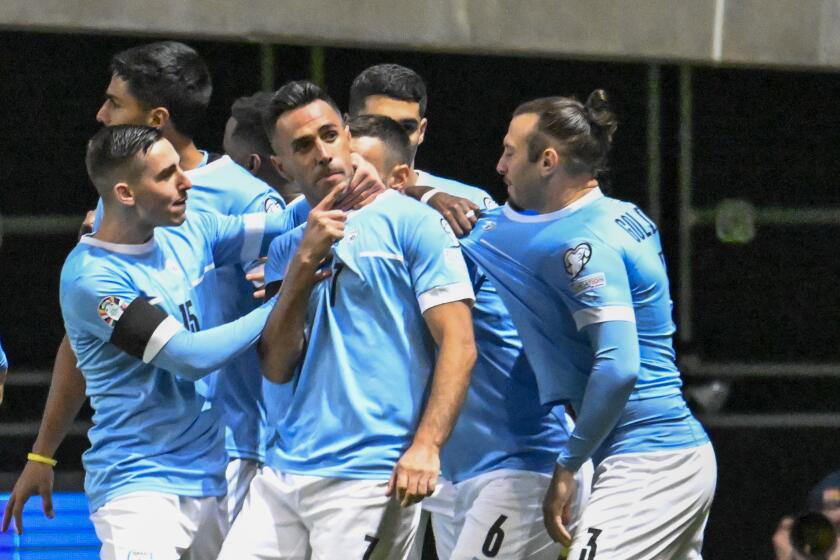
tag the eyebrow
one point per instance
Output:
(166, 172)
(301, 141)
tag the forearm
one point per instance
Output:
(611, 381)
(282, 342)
(64, 401)
(194, 355)
(456, 357)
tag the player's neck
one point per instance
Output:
(123, 230)
(191, 157)
(563, 194)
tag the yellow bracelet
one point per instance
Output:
(41, 459)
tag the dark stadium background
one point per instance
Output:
(772, 137)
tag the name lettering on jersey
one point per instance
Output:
(636, 224)
(591, 282)
(575, 259)
(111, 309)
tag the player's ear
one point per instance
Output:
(123, 194)
(422, 130)
(400, 177)
(159, 117)
(254, 163)
(549, 161)
(278, 166)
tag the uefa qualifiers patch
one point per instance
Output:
(111, 309)
(575, 259)
(587, 283)
(272, 205)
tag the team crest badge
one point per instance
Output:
(575, 259)
(111, 309)
(272, 205)
(488, 225)
(448, 229)
(489, 203)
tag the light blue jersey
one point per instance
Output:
(596, 261)
(152, 428)
(502, 425)
(225, 187)
(4, 362)
(360, 390)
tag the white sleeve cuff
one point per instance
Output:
(592, 315)
(445, 294)
(163, 334)
(253, 236)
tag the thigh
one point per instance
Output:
(141, 525)
(268, 527)
(501, 518)
(208, 518)
(647, 506)
(355, 520)
(442, 508)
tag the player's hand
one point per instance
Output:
(557, 505)
(415, 475)
(36, 478)
(257, 277)
(460, 213)
(2, 382)
(324, 227)
(365, 185)
(781, 539)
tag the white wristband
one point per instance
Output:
(428, 194)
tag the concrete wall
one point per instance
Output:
(767, 32)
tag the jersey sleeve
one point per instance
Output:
(280, 254)
(438, 272)
(110, 309)
(593, 282)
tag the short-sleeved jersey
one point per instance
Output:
(597, 260)
(152, 430)
(502, 424)
(4, 362)
(353, 405)
(224, 187)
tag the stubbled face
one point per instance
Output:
(407, 113)
(120, 107)
(313, 149)
(160, 189)
(519, 174)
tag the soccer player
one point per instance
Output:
(398, 92)
(167, 85)
(355, 447)
(501, 454)
(133, 297)
(246, 142)
(583, 276)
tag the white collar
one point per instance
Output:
(124, 248)
(585, 200)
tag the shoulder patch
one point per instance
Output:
(448, 229)
(575, 259)
(586, 283)
(489, 203)
(111, 309)
(272, 205)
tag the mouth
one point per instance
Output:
(335, 176)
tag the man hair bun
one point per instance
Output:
(603, 121)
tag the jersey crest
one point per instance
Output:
(111, 309)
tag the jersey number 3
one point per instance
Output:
(591, 547)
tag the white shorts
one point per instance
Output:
(288, 516)
(440, 508)
(648, 506)
(499, 515)
(160, 526)
(239, 474)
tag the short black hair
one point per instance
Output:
(110, 156)
(389, 131)
(390, 80)
(291, 96)
(167, 74)
(248, 112)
